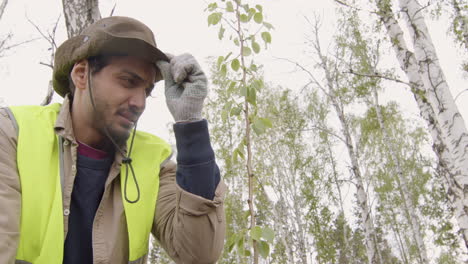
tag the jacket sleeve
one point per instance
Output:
(10, 191)
(189, 225)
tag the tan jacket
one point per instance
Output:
(189, 227)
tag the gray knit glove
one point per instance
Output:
(186, 87)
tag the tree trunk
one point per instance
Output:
(454, 132)
(363, 203)
(455, 180)
(79, 14)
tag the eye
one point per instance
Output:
(128, 81)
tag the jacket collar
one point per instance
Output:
(64, 126)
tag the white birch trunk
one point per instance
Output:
(453, 128)
(363, 203)
(79, 14)
(409, 207)
(409, 65)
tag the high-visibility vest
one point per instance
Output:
(41, 228)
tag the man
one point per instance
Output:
(79, 184)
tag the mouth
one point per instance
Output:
(127, 119)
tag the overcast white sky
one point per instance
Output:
(181, 26)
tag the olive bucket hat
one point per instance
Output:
(108, 36)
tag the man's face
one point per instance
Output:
(120, 90)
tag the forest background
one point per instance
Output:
(338, 125)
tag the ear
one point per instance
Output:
(79, 74)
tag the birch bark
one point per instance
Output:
(79, 14)
(454, 133)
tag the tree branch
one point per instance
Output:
(378, 76)
(2, 7)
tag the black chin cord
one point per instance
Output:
(126, 160)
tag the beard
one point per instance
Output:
(104, 120)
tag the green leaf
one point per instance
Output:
(214, 18)
(268, 25)
(261, 124)
(255, 47)
(257, 129)
(228, 105)
(224, 115)
(234, 156)
(229, 7)
(246, 7)
(231, 242)
(259, 8)
(240, 151)
(243, 90)
(246, 51)
(212, 6)
(220, 60)
(252, 96)
(236, 41)
(240, 246)
(266, 37)
(236, 111)
(235, 64)
(253, 67)
(256, 233)
(268, 234)
(263, 249)
(258, 84)
(223, 70)
(221, 33)
(244, 18)
(227, 56)
(258, 17)
(266, 122)
(232, 86)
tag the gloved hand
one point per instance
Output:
(186, 87)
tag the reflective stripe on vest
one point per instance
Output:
(41, 229)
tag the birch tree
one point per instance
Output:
(79, 14)
(434, 99)
(364, 62)
(334, 87)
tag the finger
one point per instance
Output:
(183, 67)
(165, 69)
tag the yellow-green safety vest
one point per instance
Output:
(41, 228)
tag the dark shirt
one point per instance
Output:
(86, 195)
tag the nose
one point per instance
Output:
(137, 100)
